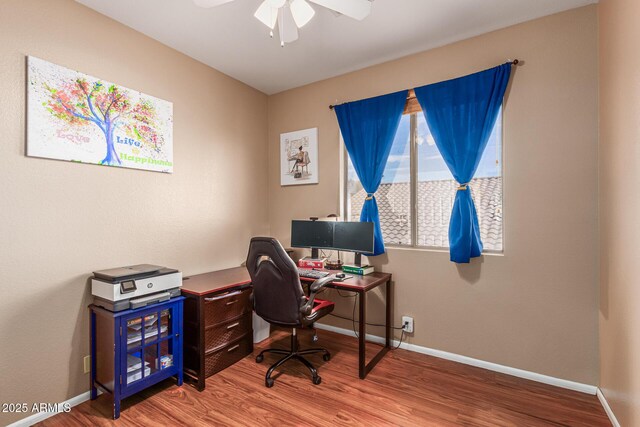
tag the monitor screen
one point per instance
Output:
(353, 236)
(344, 236)
(311, 234)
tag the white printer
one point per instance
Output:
(134, 286)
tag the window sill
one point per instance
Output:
(437, 249)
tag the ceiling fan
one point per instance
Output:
(290, 15)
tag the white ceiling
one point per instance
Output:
(230, 39)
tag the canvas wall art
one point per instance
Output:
(299, 157)
(75, 117)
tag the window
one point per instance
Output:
(416, 175)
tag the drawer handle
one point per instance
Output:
(232, 302)
(233, 326)
(233, 348)
(223, 296)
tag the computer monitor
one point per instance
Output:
(312, 234)
(342, 236)
(353, 236)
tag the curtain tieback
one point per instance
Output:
(463, 187)
(369, 196)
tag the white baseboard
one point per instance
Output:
(545, 379)
(41, 416)
(607, 408)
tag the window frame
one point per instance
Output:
(413, 192)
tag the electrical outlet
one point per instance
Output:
(87, 364)
(407, 323)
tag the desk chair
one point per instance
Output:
(279, 299)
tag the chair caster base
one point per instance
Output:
(294, 353)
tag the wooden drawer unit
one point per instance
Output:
(227, 305)
(222, 334)
(217, 322)
(220, 358)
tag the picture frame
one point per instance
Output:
(299, 157)
(83, 119)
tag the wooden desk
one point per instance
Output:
(361, 285)
(216, 281)
(232, 278)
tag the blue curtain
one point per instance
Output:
(368, 128)
(461, 114)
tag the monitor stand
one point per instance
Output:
(315, 253)
(357, 260)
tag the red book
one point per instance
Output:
(307, 262)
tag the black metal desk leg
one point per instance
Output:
(388, 314)
(362, 296)
(94, 390)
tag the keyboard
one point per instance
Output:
(312, 274)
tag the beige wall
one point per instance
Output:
(532, 308)
(620, 207)
(59, 221)
(535, 307)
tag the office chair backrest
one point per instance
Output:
(277, 292)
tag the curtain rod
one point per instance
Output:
(512, 61)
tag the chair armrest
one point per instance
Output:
(321, 283)
(316, 286)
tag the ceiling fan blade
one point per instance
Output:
(356, 9)
(210, 3)
(302, 12)
(287, 25)
(267, 14)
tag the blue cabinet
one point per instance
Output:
(134, 349)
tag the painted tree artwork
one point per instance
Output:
(75, 117)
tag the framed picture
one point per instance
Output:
(75, 117)
(299, 157)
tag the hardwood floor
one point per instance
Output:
(404, 389)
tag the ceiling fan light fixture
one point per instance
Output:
(266, 14)
(356, 9)
(290, 15)
(287, 25)
(302, 12)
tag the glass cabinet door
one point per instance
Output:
(149, 341)
(139, 330)
(165, 323)
(165, 346)
(135, 370)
